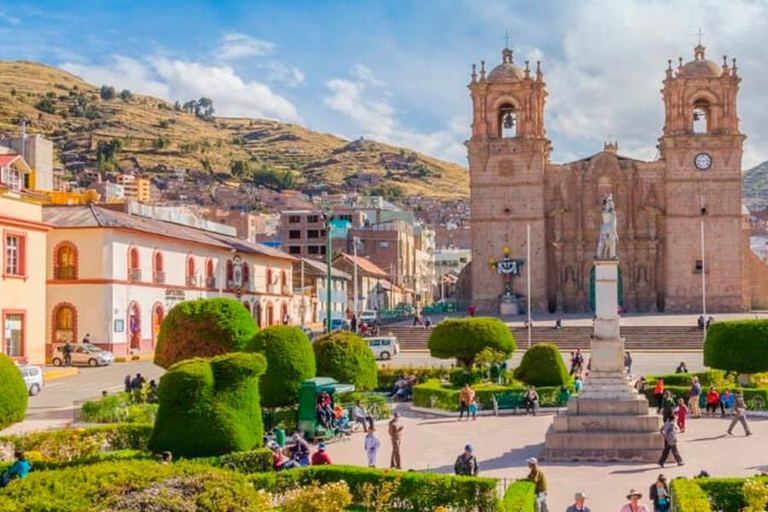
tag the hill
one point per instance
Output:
(155, 136)
(755, 187)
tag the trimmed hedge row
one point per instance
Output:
(447, 398)
(737, 346)
(520, 497)
(13, 397)
(706, 378)
(388, 376)
(415, 491)
(709, 494)
(688, 496)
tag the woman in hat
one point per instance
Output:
(660, 494)
(634, 504)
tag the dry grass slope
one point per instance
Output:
(157, 137)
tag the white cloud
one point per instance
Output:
(8, 18)
(235, 46)
(365, 101)
(174, 79)
(288, 75)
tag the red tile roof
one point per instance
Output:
(363, 264)
(8, 158)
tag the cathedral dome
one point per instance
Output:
(700, 67)
(506, 71)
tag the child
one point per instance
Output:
(681, 411)
(577, 384)
(473, 408)
(372, 445)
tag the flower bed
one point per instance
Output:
(520, 497)
(119, 408)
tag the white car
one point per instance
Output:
(33, 378)
(367, 317)
(384, 347)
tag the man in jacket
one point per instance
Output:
(739, 414)
(395, 435)
(537, 477)
(670, 443)
(579, 503)
(693, 398)
(466, 463)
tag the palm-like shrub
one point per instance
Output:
(465, 338)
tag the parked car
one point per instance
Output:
(83, 354)
(33, 378)
(384, 347)
(367, 317)
(339, 323)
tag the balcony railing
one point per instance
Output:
(64, 273)
(192, 281)
(210, 282)
(285, 289)
(134, 274)
(158, 277)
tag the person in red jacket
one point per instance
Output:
(713, 401)
(321, 457)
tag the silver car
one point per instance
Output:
(33, 378)
(82, 354)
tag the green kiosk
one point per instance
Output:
(308, 393)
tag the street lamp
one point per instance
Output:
(703, 204)
(327, 211)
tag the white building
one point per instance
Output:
(115, 275)
(310, 278)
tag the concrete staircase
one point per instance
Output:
(570, 338)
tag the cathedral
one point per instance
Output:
(671, 210)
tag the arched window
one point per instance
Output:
(701, 116)
(158, 269)
(158, 313)
(507, 121)
(134, 265)
(65, 261)
(270, 320)
(230, 273)
(246, 276)
(191, 271)
(284, 282)
(210, 277)
(64, 323)
(284, 318)
(269, 281)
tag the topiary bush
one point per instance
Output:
(465, 338)
(13, 393)
(542, 365)
(737, 346)
(210, 406)
(346, 357)
(290, 361)
(203, 328)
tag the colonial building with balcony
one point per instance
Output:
(116, 275)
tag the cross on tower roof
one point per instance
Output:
(700, 34)
(506, 39)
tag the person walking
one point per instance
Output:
(465, 398)
(628, 362)
(536, 476)
(681, 412)
(466, 463)
(579, 505)
(682, 368)
(634, 504)
(471, 310)
(127, 383)
(396, 436)
(693, 398)
(668, 406)
(659, 494)
(473, 406)
(739, 414)
(371, 445)
(669, 431)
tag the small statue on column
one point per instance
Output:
(609, 238)
(508, 268)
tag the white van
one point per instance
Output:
(384, 347)
(367, 317)
(33, 378)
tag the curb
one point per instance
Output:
(482, 412)
(58, 374)
(149, 356)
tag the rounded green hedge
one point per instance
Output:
(210, 406)
(346, 357)
(465, 338)
(290, 361)
(737, 346)
(542, 365)
(13, 393)
(203, 328)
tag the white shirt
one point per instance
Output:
(372, 443)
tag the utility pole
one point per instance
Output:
(703, 204)
(327, 210)
(355, 312)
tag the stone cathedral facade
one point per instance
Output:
(661, 205)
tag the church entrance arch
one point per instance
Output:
(619, 285)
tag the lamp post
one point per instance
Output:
(528, 278)
(327, 211)
(703, 204)
(355, 241)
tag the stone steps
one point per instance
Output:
(648, 423)
(634, 406)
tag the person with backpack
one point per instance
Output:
(669, 431)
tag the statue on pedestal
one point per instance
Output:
(508, 268)
(609, 238)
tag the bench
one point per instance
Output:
(506, 400)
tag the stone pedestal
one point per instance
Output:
(508, 308)
(608, 420)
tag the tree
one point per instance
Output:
(346, 357)
(107, 92)
(45, 105)
(240, 168)
(13, 393)
(210, 406)
(205, 108)
(203, 328)
(177, 106)
(737, 346)
(465, 338)
(126, 95)
(542, 365)
(290, 361)
(106, 154)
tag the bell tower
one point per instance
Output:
(702, 146)
(508, 154)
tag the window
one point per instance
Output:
(191, 271)
(322, 249)
(322, 233)
(313, 249)
(246, 276)
(15, 248)
(507, 121)
(701, 116)
(65, 266)
(313, 233)
(134, 265)
(210, 278)
(64, 323)
(294, 219)
(158, 274)
(312, 219)
(383, 245)
(294, 249)
(294, 234)
(345, 217)
(11, 178)
(698, 266)
(13, 334)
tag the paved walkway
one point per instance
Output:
(502, 445)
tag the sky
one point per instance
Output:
(397, 70)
